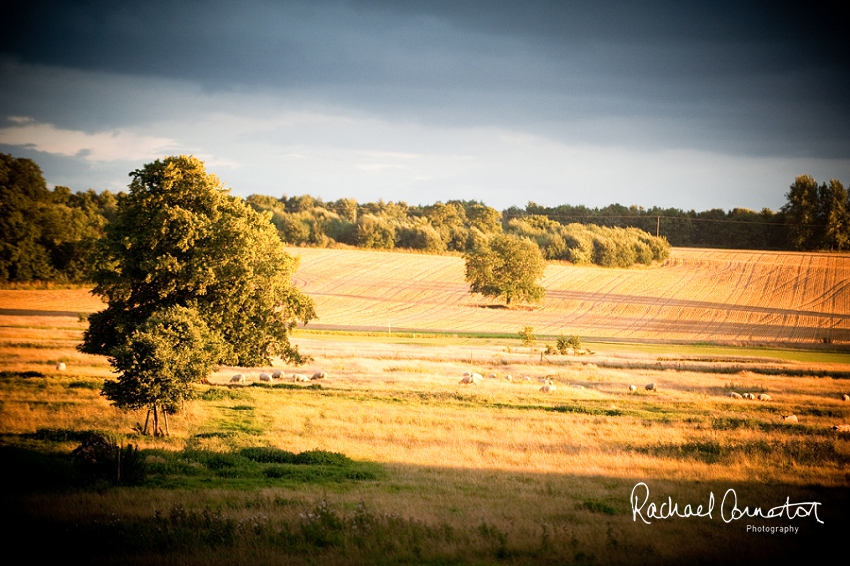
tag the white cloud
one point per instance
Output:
(114, 145)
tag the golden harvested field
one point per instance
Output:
(718, 296)
(444, 473)
(697, 295)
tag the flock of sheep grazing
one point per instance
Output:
(760, 396)
(277, 376)
(471, 378)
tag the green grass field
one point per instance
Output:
(390, 460)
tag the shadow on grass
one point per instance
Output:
(580, 520)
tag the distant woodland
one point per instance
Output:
(51, 235)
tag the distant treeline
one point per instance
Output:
(47, 235)
(50, 235)
(456, 225)
(815, 217)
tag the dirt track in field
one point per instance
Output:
(697, 295)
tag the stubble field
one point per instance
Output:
(443, 473)
(721, 296)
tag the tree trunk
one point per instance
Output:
(165, 418)
(155, 422)
(147, 418)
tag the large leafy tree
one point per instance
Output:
(506, 266)
(179, 239)
(22, 192)
(802, 213)
(834, 216)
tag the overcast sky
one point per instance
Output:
(694, 105)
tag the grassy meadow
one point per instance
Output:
(391, 460)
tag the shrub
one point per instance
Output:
(564, 343)
(99, 458)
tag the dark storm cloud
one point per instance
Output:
(767, 78)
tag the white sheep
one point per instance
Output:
(238, 378)
(632, 388)
(526, 378)
(841, 428)
(764, 397)
(265, 377)
(789, 418)
(749, 396)
(651, 387)
(60, 366)
(509, 378)
(277, 374)
(845, 397)
(547, 389)
(319, 375)
(735, 395)
(299, 377)
(492, 376)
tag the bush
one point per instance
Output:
(321, 457)
(99, 458)
(564, 343)
(268, 455)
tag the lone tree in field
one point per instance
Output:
(192, 277)
(506, 266)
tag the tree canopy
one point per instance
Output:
(179, 240)
(508, 266)
(161, 360)
(818, 216)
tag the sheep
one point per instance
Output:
(841, 428)
(319, 375)
(735, 395)
(547, 389)
(238, 378)
(632, 388)
(472, 378)
(845, 397)
(265, 377)
(651, 387)
(277, 374)
(492, 376)
(789, 418)
(61, 367)
(299, 377)
(509, 378)
(749, 396)
(526, 378)
(764, 397)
